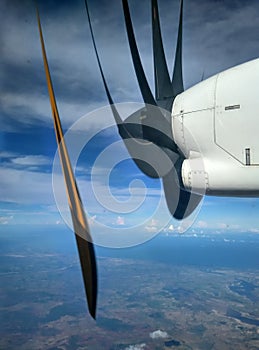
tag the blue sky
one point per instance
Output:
(217, 35)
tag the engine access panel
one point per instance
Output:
(236, 118)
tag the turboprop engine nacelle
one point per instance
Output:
(222, 115)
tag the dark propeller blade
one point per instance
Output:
(155, 131)
(157, 127)
(148, 123)
(142, 81)
(81, 229)
(131, 131)
(180, 202)
(163, 85)
(123, 130)
(177, 79)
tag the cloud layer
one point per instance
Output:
(217, 35)
(158, 334)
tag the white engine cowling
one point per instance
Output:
(216, 126)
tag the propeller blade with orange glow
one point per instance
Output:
(82, 233)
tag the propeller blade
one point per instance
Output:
(122, 128)
(151, 130)
(156, 126)
(117, 116)
(132, 131)
(163, 85)
(83, 237)
(177, 79)
(141, 77)
(136, 133)
(180, 202)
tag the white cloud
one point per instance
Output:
(37, 160)
(222, 225)
(120, 221)
(202, 224)
(4, 220)
(4, 154)
(152, 226)
(228, 226)
(169, 229)
(254, 230)
(37, 109)
(92, 219)
(158, 334)
(136, 347)
(25, 187)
